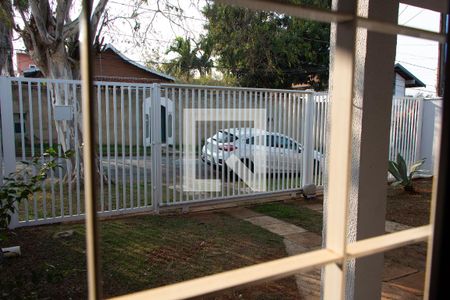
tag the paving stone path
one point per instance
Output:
(296, 240)
(399, 282)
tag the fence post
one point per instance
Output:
(418, 136)
(155, 132)
(308, 144)
(429, 134)
(8, 138)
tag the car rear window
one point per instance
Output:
(224, 137)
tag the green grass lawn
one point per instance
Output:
(140, 253)
(293, 213)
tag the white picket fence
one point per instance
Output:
(140, 149)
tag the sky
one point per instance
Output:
(159, 30)
(419, 56)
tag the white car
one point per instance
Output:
(284, 154)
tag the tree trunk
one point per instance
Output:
(6, 45)
(65, 94)
(52, 40)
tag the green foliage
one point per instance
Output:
(226, 80)
(189, 58)
(5, 15)
(399, 170)
(21, 4)
(266, 49)
(25, 182)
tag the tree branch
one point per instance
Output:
(62, 12)
(40, 13)
(72, 28)
(26, 25)
(96, 16)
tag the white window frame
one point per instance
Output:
(337, 250)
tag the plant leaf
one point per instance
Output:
(416, 165)
(396, 183)
(393, 169)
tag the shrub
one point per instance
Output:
(399, 170)
(24, 183)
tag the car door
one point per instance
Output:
(278, 153)
(259, 144)
(293, 155)
(271, 152)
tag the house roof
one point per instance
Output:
(35, 72)
(126, 59)
(411, 81)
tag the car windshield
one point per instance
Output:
(224, 137)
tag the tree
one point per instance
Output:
(204, 62)
(50, 35)
(189, 59)
(6, 46)
(183, 64)
(51, 39)
(266, 49)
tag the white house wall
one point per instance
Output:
(400, 83)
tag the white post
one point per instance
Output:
(155, 133)
(308, 144)
(430, 133)
(8, 139)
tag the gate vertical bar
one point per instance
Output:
(144, 142)
(156, 146)
(308, 147)
(9, 146)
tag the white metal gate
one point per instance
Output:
(140, 142)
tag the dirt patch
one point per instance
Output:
(411, 209)
(48, 267)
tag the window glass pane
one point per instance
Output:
(257, 140)
(283, 142)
